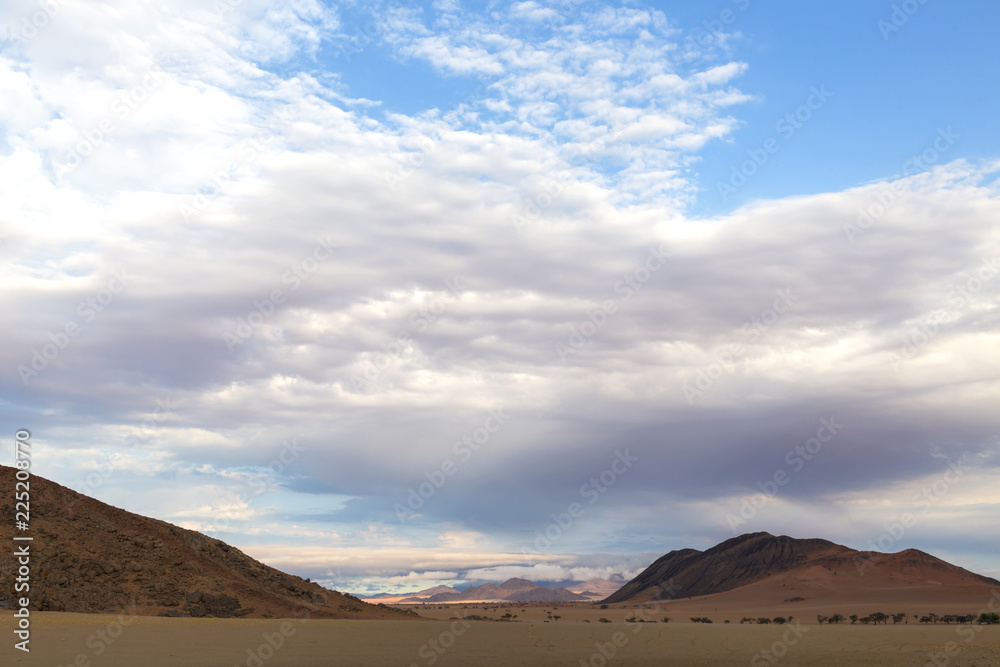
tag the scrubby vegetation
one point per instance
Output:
(879, 617)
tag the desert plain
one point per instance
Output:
(62, 639)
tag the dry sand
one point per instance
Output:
(65, 639)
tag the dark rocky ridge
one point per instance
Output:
(752, 557)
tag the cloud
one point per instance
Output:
(304, 265)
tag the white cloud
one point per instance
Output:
(215, 187)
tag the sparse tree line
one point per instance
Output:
(986, 618)
(763, 620)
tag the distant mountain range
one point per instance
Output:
(512, 590)
(816, 566)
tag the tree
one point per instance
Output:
(989, 618)
(854, 618)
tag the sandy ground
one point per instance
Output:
(92, 640)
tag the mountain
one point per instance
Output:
(427, 592)
(596, 588)
(817, 566)
(512, 590)
(87, 556)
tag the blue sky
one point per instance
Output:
(380, 312)
(894, 84)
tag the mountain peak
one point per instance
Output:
(754, 557)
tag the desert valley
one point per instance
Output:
(484, 333)
(106, 585)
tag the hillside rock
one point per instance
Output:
(90, 557)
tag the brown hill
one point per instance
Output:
(817, 567)
(87, 556)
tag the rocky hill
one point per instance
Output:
(752, 558)
(90, 557)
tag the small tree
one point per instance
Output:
(989, 618)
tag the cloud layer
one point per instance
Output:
(242, 299)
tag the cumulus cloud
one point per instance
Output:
(196, 219)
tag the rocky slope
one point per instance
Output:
(752, 558)
(90, 557)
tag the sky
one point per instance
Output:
(398, 294)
